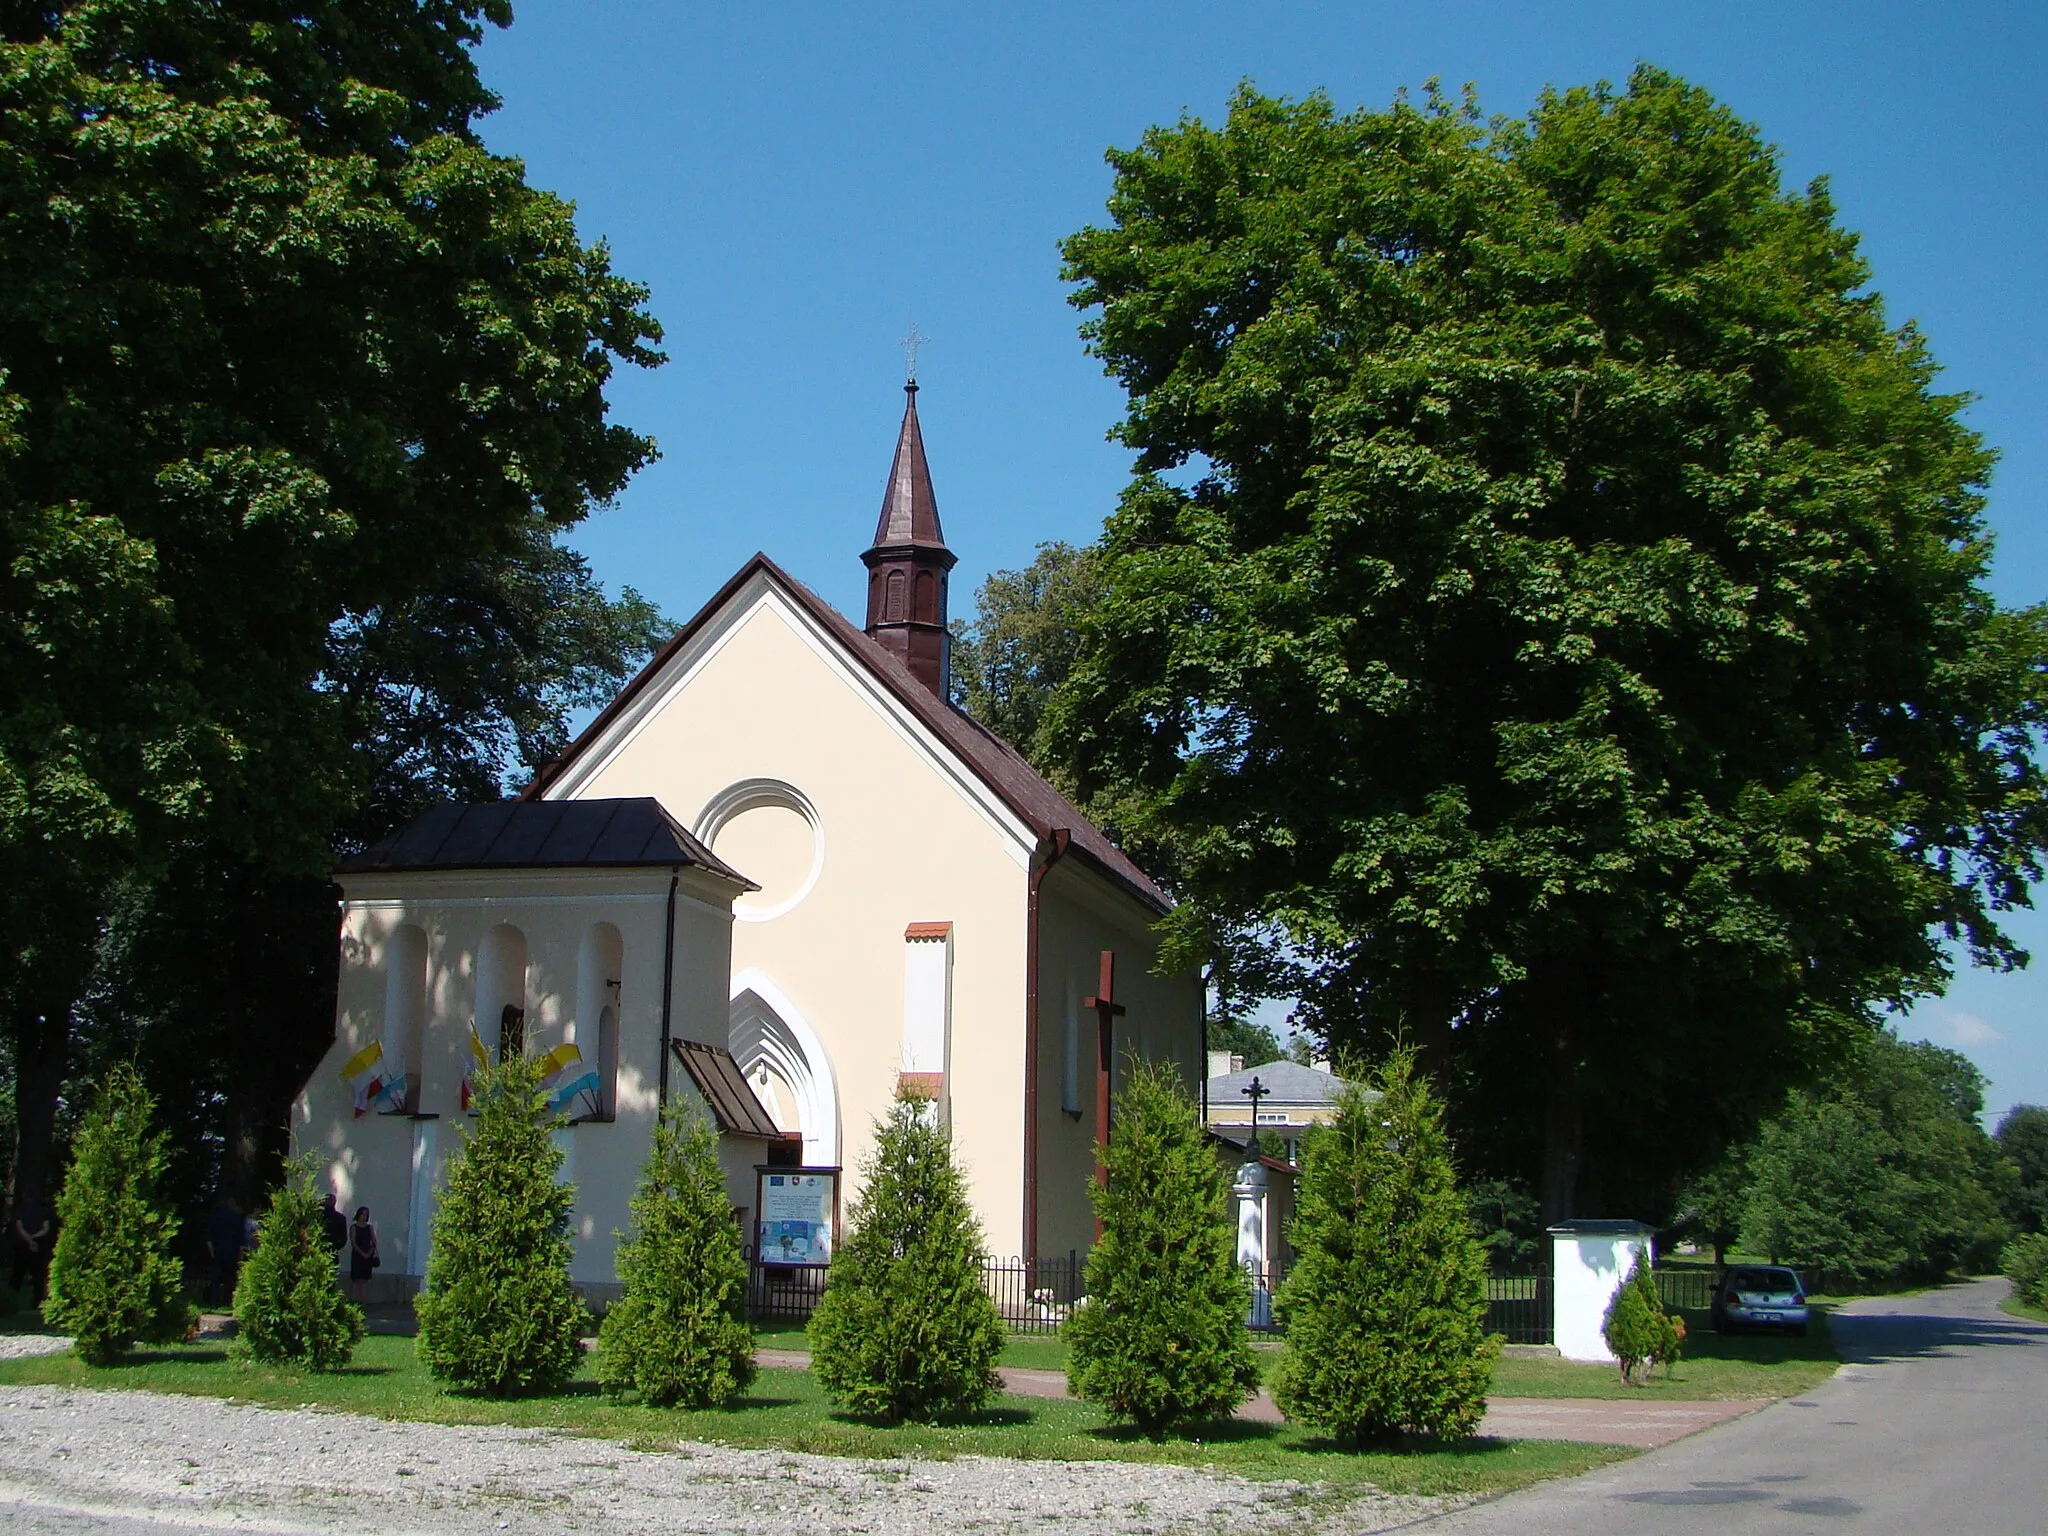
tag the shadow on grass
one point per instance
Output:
(1215, 1432)
(185, 1356)
(985, 1418)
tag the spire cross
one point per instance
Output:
(912, 340)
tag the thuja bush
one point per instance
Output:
(1160, 1342)
(114, 1281)
(289, 1308)
(1385, 1308)
(1637, 1329)
(2025, 1264)
(498, 1315)
(905, 1329)
(679, 1335)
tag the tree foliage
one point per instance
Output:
(679, 1334)
(1550, 607)
(289, 1308)
(1385, 1308)
(298, 383)
(114, 1279)
(2022, 1138)
(1885, 1174)
(906, 1329)
(1024, 641)
(1160, 1342)
(1639, 1332)
(2025, 1263)
(498, 1315)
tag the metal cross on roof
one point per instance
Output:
(912, 340)
(1255, 1091)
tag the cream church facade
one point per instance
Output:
(779, 873)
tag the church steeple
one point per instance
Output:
(908, 564)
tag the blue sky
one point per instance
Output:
(797, 182)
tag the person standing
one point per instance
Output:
(224, 1239)
(334, 1222)
(31, 1232)
(363, 1257)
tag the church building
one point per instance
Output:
(783, 874)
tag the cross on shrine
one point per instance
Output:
(1255, 1091)
(1106, 1009)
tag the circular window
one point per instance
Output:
(768, 831)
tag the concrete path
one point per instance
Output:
(1938, 1423)
(1593, 1421)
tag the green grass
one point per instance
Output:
(1716, 1367)
(787, 1411)
(2020, 1308)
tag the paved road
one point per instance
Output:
(1937, 1423)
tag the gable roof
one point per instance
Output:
(1289, 1082)
(539, 834)
(994, 761)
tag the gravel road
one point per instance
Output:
(130, 1463)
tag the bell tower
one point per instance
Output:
(908, 565)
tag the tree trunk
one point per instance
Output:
(39, 1062)
(1564, 1120)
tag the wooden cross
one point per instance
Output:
(1106, 1009)
(1255, 1092)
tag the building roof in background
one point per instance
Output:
(1290, 1081)
(542, 834)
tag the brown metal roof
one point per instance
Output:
(543, 834)
(994, 761)
(724, 1086)
(910, 508)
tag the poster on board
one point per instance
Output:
(797, 1208)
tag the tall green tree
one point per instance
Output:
(1385, 1308)
(289, 1308)
(1024, 641)
(679, 1334)
(284, 351)
(114, 1279)
(499, 1315)
(906, 1329)
(2022, 1138)
(1550, 606)
(1884, 1173)
(1161, 1340)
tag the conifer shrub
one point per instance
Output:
(114, 1280)
(1161, 1340)
(1385, 1307)
(289, 1306)
(906, 1329)
(679, 1335)
(2025, 1263)
(498, 1315)
(1638, 1330)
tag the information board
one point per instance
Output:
(797, 1210)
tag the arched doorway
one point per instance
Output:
(775, 1046)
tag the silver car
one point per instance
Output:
(1761, 1296)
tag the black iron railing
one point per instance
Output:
(1519, 1308)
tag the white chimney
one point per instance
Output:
(1219, 1063)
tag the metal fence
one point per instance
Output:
(1034, 1296)
(1519, 1307)
(1038, 1296)
(1685, 1290)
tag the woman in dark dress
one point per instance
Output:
(362, 1253)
